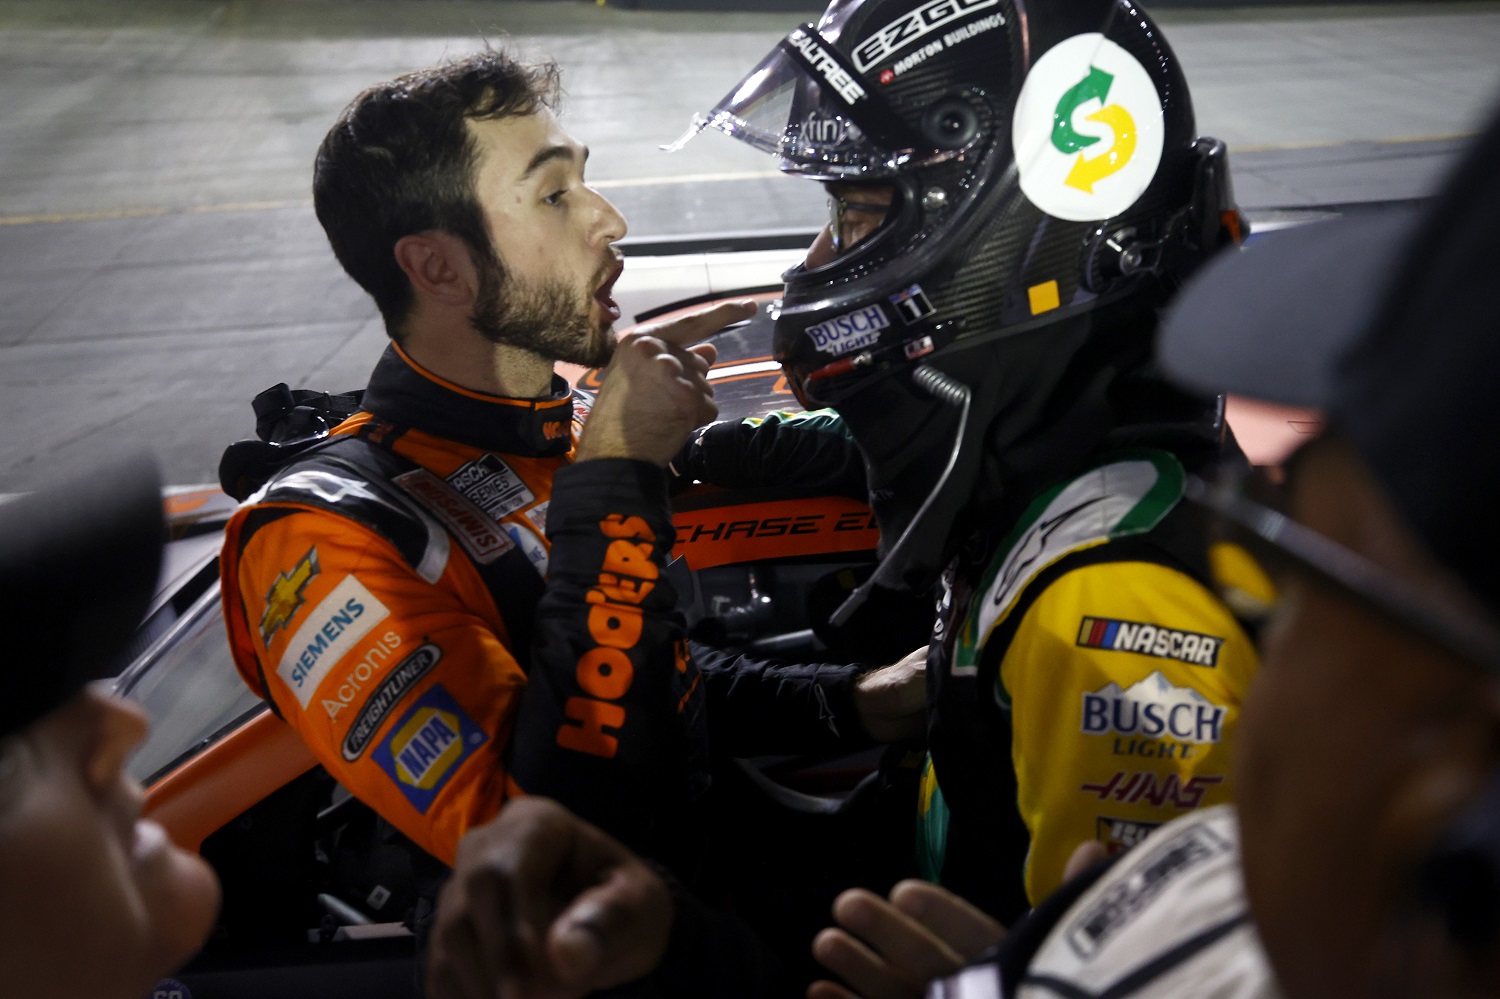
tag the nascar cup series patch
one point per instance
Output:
(427, 746)
(1087, 131)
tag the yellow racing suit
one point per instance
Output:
(1085, 684)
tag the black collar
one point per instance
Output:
(402, 393)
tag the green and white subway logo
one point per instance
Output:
(1087, 131)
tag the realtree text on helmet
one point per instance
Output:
(827, 66)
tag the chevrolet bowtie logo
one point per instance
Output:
(284, 598)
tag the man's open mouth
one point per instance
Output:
(604, 296)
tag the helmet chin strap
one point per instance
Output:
(887, 573)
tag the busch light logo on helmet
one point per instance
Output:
(851, 331)
(1154, 708)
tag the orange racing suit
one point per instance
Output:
(395, 591)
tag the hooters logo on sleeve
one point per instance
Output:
(615, 622)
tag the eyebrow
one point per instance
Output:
(547, 154)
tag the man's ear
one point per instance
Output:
(439, 266)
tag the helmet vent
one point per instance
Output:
(950, 123)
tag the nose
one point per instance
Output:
(611, 224)
(821, 251)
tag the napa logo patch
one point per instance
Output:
(1088, 130)
(427, 746)
(851, 331)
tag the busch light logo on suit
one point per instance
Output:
(851, 331)
(1154, 708)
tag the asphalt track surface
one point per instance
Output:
(160, 263)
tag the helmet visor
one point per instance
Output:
(805, 104)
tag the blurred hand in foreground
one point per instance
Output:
(893, 949)
(543, 905)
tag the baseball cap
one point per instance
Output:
(78, 567)
(1389, 322)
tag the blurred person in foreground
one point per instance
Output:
(1363, 857)
(95, 901)
(1372, 849)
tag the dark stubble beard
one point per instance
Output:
(545, 319)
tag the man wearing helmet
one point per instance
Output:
(1014, 194)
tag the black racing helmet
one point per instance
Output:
(1047, 188)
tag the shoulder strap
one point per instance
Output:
(362, 478)
(1170, 544)
(351, 477)
(1125, 496)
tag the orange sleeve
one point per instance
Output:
(405, 690)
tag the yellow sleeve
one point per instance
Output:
(1125, 681)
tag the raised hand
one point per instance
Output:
(656, 390)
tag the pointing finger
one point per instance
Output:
(697, 325)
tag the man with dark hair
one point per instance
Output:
(98, 902)
(401, 160)
(455, 598)
(404, 158)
